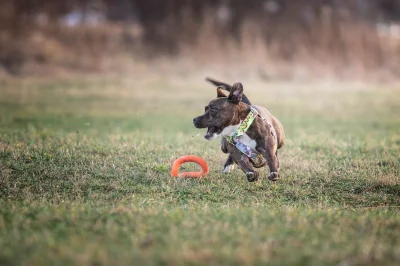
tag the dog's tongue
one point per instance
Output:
(210, 132)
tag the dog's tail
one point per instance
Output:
(218, 83)
(228, 88)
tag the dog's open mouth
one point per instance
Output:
(212, 132)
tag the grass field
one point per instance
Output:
(85, 176)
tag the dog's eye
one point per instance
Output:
(213, 110)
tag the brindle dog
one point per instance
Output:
(223, 116)
(229, 164)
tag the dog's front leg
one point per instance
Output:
(229, 164)
(247, 167)
(244, 163)
(267, 147)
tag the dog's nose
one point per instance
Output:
(195, 121)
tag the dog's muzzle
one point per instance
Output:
(196, 122)
(211, 131)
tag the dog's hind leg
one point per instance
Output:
(277, 159)
(229, 165)
(272, 161)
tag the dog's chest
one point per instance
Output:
(245, 139)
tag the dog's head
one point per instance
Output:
(221, 112)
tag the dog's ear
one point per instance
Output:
(235, 96)
(220, 92)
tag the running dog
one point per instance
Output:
(251, 135)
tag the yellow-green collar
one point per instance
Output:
(242, 129)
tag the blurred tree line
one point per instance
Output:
(165, 24)
(149, 12)
(17, 15)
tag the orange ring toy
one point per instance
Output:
(189, 158)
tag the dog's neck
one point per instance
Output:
(242, 110)
(241, 113)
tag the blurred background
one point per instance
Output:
(269, 39)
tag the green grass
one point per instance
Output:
(85, 177)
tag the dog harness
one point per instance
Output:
(235, 139)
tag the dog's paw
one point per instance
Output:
(273, 176)
(252, 176)
(228, 168)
